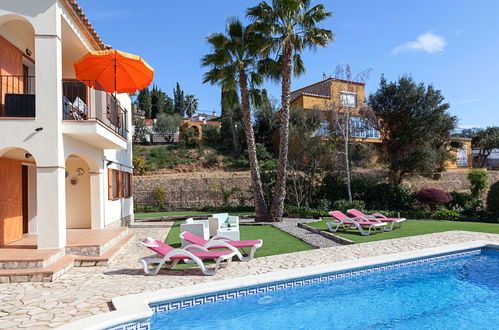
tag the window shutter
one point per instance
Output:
(130, 182)
(110, 184)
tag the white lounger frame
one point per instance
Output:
(147, 262)
(392, 224)
(216, 240)
(349, 223)
(223, 241)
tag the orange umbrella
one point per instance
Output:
(114, 70)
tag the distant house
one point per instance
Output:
(342, 95)
(492, 161)
(199, 120)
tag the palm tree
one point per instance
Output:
(233, 65)
(192, 105)
(286, 28)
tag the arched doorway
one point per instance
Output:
(18, 208)
(78, 202)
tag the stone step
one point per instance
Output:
(45, 274)
(107, 241)
(106, 258)
(24, 258)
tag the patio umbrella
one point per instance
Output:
(114, 70)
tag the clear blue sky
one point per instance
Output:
(452, 44)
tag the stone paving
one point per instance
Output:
(86, 291)
(290, 226)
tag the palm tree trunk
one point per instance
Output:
(260, 206)
(277, 208)
(233, 132)
(347, 157)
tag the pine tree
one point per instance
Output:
(158, 100)
(169, 105)
(179, 100)
(144, 102)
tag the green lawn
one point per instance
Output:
(411, 228)
(181, 213)
(275, 241)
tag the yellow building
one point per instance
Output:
(338, 95)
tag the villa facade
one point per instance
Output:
(65, 148)
(342, 95)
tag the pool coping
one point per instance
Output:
(136, 307)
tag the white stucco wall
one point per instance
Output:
(52, 25)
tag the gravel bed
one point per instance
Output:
(313, 239)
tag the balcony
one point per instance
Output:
(92, 115)
(17, 96)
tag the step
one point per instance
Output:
(21, 258)
(46, 274)
(96, 244)
(106, 258)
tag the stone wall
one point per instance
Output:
(448, 181)
(190, 192)
(193, 193)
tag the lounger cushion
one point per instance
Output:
(204, 254)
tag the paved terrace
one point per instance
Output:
(85, 291)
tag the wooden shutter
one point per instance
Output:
(130, 183)
(110, 184)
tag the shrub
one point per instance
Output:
(239, 163)
(493, 199)
(466, 204)
(432, 197)
(211, 135)
(159, 196)
(262, 153)
(383, 196)
(305, 212)
(445, 214)
(189, 137)
(211, 159)
(479, 180)
(139, 165)
(344, 205)
(333, 188)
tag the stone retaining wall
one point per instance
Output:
(193, 193)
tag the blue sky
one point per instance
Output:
(452, 44)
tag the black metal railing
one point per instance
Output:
(80, 102)
(17, 96)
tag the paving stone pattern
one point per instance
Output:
(85, 291)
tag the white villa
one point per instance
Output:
(65, 148)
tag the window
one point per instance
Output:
(323, 129)
(359, 128)
(462, 156)
(348, 99)
(119, 184)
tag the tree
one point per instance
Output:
(168, 125)
(140, 131)
(265, 120)
(233, 65)
(287, 27)
(341, 122)
(414, 126)
(230, 117)
(485, 141)
(158, 99)
(144, 102)
(178, 100)
(169, 107)
(191, 105)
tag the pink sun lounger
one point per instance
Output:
(361, 224)
(192, 253)
(392, 223)
(219, 242)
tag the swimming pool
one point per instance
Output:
(451, 291)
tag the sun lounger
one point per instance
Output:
(193, 253)
(219, 242)
(361, 224)
(392, 223)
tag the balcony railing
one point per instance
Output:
(17, 96)
(82, 103)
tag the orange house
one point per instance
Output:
(341, 96)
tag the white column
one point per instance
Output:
(96, 195)
(51, 207)
(51, 188)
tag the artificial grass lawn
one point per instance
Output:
(180, 213)
(412, 228)
(275, 241)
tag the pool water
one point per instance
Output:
(453, 293)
